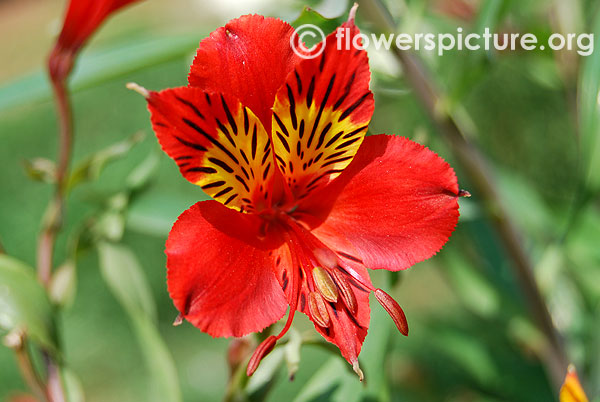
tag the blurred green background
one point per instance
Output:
(534, 116)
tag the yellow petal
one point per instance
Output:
(571, 390)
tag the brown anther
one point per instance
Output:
(345, 291)
(464, 193)
(325, 284)
(318, 310)
(261, 351)
(393, 309)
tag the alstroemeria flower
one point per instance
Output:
(82, 19)
(303, 203)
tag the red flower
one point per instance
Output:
(303, 202)
(82, 19)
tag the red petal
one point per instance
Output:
(219, 274)
(321, 114)
(248, 58)
(217, 143)
(396, 204)
(345, 330)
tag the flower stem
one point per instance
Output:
(53, 221)
(479, 174)
(55, 211)
(18, 342)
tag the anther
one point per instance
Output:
(318, 310)
(393, 309)
(345, 291)
(325, 284)
(261, 351)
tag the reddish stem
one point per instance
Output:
(55, 214)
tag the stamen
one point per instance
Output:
(345, 291)
(318, 309)
(261, 351)
(393, 309)
(325, 284)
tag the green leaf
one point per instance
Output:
(471, 286)
(91, 168)
(292, 353)
(63, 284)
(466, 352)
(24, 304)
(124, 276)
(164, 384)
(73, 387)
(325, 382)
(327, 25)
(141, 174)
(263, 379)
(96, 67)
(589, 113)
(110, 226)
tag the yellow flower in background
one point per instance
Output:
(571, 390)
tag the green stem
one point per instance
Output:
(480, 177)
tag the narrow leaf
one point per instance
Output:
(125, 277)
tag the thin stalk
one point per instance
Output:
(56, 207)
(477, 169)
(28, 372)
(54, 220)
